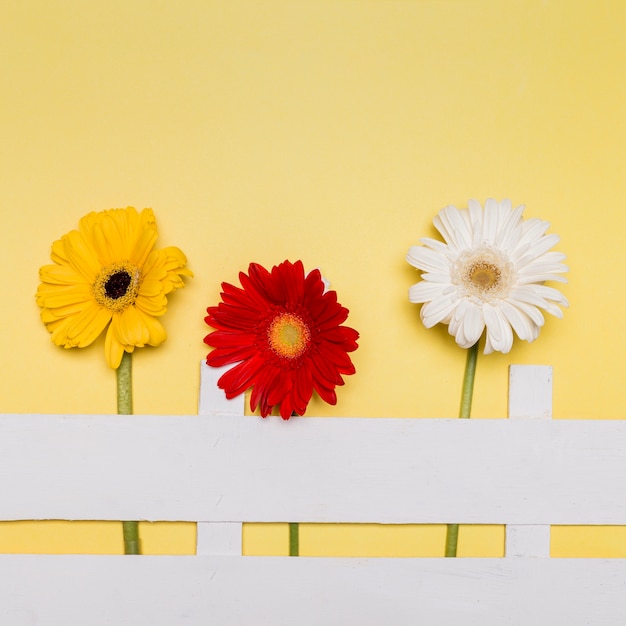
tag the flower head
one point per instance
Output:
(489, 273)
(107, 273)
(283, 332)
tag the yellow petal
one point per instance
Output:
(86, 326)
(59, 332)
(51, 315)
(144, 238)
(103, 249)
(154, 267)
(167, 265)
(150, 288)
(113, 349)
(54, 296)
(155, 305)
(58, 253)
(129, 328)
(114, 231)
(155, 329)
(81, 256)
(131, 219)
(175, 259)
(60, 275)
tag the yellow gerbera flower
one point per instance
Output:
(106, 273)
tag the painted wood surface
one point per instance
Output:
(218, 537)
(313, 469)
(530, 397)
(283, 591)
(222, 468)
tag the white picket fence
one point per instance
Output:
(221, 469)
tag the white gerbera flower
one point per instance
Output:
(489, 273)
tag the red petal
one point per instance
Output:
(240, 377)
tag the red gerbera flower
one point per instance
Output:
(284, 334)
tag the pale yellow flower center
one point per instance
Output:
(117, 285)
(288, 335)
(484, 276)
(485, 273)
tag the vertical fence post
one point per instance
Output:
(218, 538)
(530, 397)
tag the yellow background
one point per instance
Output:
(327, 130)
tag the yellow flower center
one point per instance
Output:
(484, 276)
(116, 286)
(288, 335)
(485, 273)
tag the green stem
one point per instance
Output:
(465, 410)
(468, 382)
(125, 385)
(130, 530)
(294, 539)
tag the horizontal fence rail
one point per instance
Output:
(386, 470)
(283, 591)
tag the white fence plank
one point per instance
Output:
(218, 537)
(261, 591)
(530, 391)
(530, 540)
(312, 469)
(530, 397)
(211, 399)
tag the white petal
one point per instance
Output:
(529, 310)
(542, 265)
(550, 293)
(554, 257)
(511, 231)
(518, 251)
(528, 278)
(425, 291)
(431, 277)
(537, 248)
(505, 206)
(524, 327)
(490, 222)
(533, 228)
(476, 219)
(488, 347)
(438, 310)
(434, 244)
(498, 329)
(473, 325)
(427, 260)
(454, 227)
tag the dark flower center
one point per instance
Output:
(117, 285)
